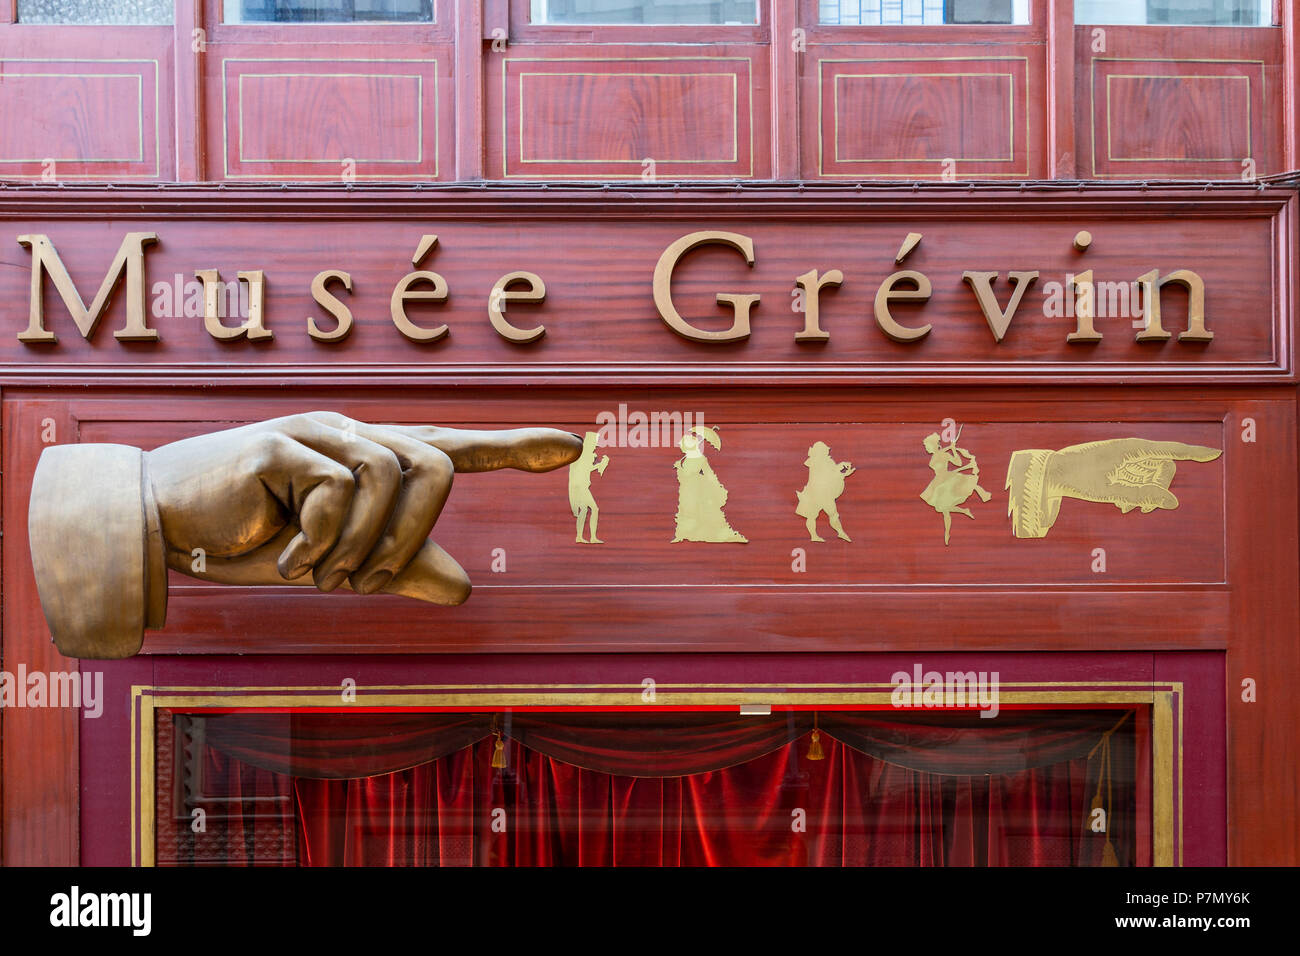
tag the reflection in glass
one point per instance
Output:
(1236, 13)
(644, 11)
(328, 11)
(933, 788)
(100, 12)
(906, 13)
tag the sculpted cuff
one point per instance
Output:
(97, 549)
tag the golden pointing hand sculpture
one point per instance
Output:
(306, 499)
(1126, 472)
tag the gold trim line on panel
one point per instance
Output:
(1250, 140)
(139, 96)
(505, 102)
(1011, 118)
(419, 116)
(735, 123)
(157, 161)
(821, 114)
(1092, 90)
(432, 63)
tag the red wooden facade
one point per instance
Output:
(296, 149)
(483, 94)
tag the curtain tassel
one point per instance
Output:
(815, 748)
(1108, 855)
(499, 754)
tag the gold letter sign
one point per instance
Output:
(740, 303)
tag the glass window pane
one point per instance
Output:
(906, 13)
(645, 11)
(105, 12)
(639, 789)
(1210, 13)
(328, 11)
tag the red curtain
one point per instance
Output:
(423, 816)
(671, 790)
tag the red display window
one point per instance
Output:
(863, 787)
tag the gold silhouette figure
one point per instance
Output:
(1126, 472)
(825, 485)
(948, 490)
(580, 499)
(700, 495)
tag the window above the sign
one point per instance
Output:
(633, 12)
(907, 13)
(328, 11)
(1205, 13)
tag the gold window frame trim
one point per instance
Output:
(1163, 698)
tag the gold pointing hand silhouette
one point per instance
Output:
(1126, 472)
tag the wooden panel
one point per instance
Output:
(1290, 84)
(786, 101)
(470, 27)
(642, 592)
(607, 114)
(40, 825)
(924, 102)
(86, 116)
(1179, 102)
(898, 540)
(699, 119)
(1155, 114)
(888, 118)
(1263, 749)
(339, 97)
(190, 44)
(936, 117)
(1202, 727)
(1139, 131)
(1058, 16)
(55, 100)
(368, 116)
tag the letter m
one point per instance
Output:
(1113, 300)
(129, 259)
(116, 909)
(65, 689)
(963, 688)
(665, 429)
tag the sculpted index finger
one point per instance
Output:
(527, 449)
(1180, 451)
